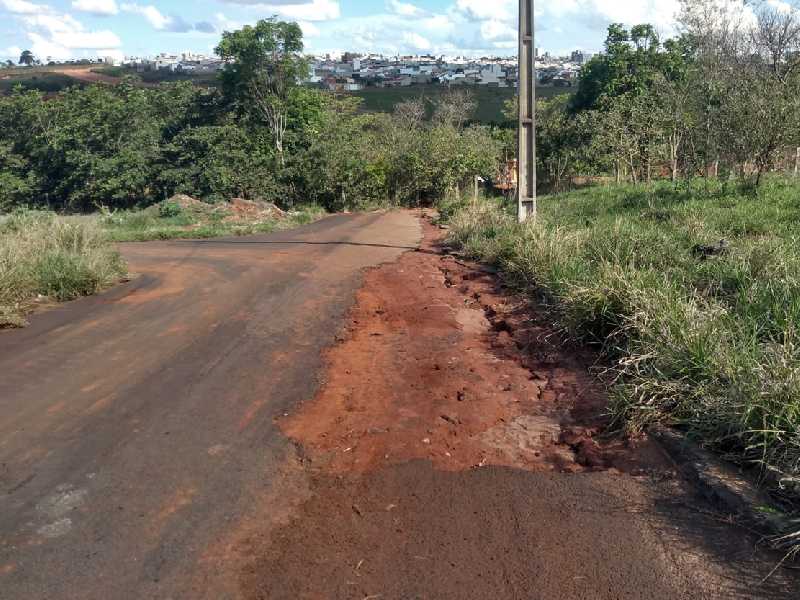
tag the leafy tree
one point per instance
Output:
(27, 58)
(264, 64)
(563, 141)
(218, 162)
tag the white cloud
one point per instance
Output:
(172, 23)
(13, 52)
(309, 29)
(22, 7)
(96, 7)
(501, 10)
(494, 30)
(317, 10)
(151, 14)
(405, 9)
(301, 10)
(57, 35)
(416, 42)
(227, 24)
(61, 37)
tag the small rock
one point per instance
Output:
(426, 441)
(461, 396)
(452, 419)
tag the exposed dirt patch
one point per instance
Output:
(86, 74)
(253, 210)
(439, 362)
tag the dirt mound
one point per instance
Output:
(187, 202)
(253, 210)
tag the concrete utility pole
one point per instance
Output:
(526, 188)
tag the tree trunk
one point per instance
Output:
(673, 159)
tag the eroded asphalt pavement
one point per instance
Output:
(267, 418)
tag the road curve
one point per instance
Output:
(138, 425)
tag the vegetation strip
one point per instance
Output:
(703, 342)
(46, 257)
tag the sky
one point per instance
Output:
(63, 29)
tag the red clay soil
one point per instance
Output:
(440, 363)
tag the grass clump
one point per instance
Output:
(707, 342)
(42, 255)
(170, 220)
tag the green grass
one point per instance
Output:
(709, 346)
(490, 100)
(111, 71)
(166, 221)
(37, 80)
(42, 255)
(159, 76)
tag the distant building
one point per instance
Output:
(579, 57)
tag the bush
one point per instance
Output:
(168, 210)
(41, 254)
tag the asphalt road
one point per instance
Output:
(138, 426)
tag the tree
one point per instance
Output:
(747, 85)
(563, 141)
(410, 113)
(27, 58)
(264, 64)
(455, 108)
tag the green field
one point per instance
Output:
(490, 100)
(36, 80)
(43, 78)
(155, 77)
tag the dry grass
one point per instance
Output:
(45, 256)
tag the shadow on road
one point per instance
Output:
(305, 243)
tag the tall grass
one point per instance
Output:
(48, 256)
(166, 222)
(709, 344)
